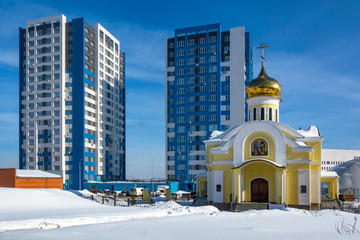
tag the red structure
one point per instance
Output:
(15, 178)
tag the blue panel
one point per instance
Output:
(42, 163)
(88, 81)
(88, 154)
(89, 136)
(44, 136)
(21, 50)
(108, 156)
(89, 73)
(78, 86)
(44, 154)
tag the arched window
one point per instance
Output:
(270, 114)
(262, 114)
(249, 116)
(254, 114)
(276, 115)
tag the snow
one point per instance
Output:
(311, 131)
(56, 214)
(35, 174)
(215, 133)
(329, 174)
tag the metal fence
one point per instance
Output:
(114, 200)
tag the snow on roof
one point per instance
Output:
(202, 175)
(311, 131)
(297, 146)
(329, 174)
(349, 174)
(215, 133)
(35, 174)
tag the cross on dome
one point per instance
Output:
(262, 46)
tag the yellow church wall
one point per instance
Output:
(208, 152)
(317, 150)
(297, 155)
(292, 185)
(201, 185)
(280, 172)
(228, 186)
(224, 157)
(333, 187)
(271, 146)
(259, 170)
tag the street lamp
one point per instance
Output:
(152, 172)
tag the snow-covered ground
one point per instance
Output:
(56, 214)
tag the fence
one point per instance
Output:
(114, 200)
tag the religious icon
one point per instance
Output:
(259, 147)
(256, 148)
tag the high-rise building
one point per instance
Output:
(72, 100)
(206, 73)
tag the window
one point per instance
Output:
(181, 91)
(181, 72)
(254, 114)
(213, 88)
(191, 61)
(212, 108)
(181, 167)
(202, 40)
(202, 60)
(212, 49)
(181, 62)
(181, 53)
(262, 114)
(181, 100)
(191, 52)
(270, 114)
(212, 59)
(218, 188)
(181, 129)
(181, 176)
(202, 50)
(181, 43)
(212, 69)
(303, 189)
(213, 39)
(213, 118)
(191, 42)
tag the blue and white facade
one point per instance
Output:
(206, 72)
(72, 100)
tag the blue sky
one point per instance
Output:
(314, 54)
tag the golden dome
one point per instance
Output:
(263, 85)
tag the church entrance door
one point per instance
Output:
(259, 190)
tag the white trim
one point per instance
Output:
(222, 162)
(252, 161)
(296, 161)
(261, 100)
(261, 126)
(304, 179)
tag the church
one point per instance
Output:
(264, 160)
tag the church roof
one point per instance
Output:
(263, 85)
(296, 141)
